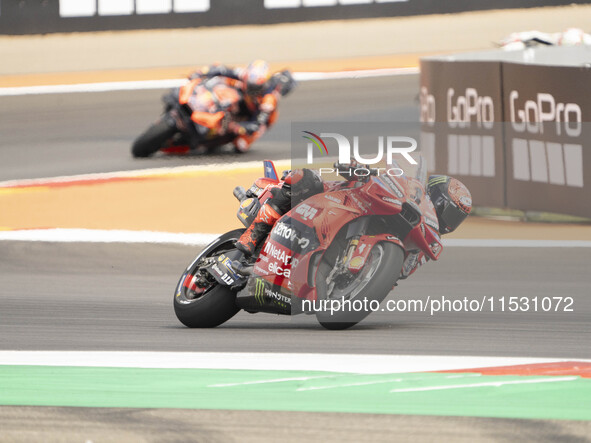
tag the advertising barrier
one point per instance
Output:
(547, 139)
(39, 17)
(517, 133)
(461, 106)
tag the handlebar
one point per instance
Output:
(239, 193)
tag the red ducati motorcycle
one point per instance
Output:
(336, 255)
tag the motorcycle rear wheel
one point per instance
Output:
(153, 139)
(215, 305)
(373, 283)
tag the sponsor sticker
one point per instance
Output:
(278, 270)
(277, 253)
(287, 232)
(261, 290)
(393, 201)
(356, 262)
(332, 198)
(306, 211)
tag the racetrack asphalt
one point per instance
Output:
(64, 134)
(62, 424)
(56, 296)
(59, 296)
(69, 297)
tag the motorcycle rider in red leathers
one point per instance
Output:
(298, 185)
(450, 197)
(261, 96)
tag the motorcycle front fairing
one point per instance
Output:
(289, 258)
(287, 264)
(425, 234)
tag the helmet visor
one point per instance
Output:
(451, 216)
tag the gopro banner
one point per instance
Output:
(548, 138)
(518, 135)
(461, 106)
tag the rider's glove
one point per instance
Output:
(263, 118)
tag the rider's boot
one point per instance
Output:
(257, 231)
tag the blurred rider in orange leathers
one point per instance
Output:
(261, 90)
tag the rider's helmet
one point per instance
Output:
(451, 199)
(255, 77)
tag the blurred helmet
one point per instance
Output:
(451, 199)
(255, 77)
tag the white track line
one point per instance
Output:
(175, 83)
(495, 384)
(62, 235)
(272, 380)
(92, 87)
(106, 236)
(514, 243)
(466, 375)
(344, 363)
(151, 172)
(350, 385)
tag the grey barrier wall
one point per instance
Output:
(517, 133)
(47, 16)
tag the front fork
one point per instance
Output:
(353, 242)
(341, 264)
(354, 233)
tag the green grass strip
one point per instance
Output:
(537, 397)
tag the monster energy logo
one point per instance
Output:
(259, 291)
(437, 180)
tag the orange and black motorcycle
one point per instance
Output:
(203, 114)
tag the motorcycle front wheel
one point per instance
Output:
(153, 139)
(355, 295)
(210, 306)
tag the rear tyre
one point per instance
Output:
(214, 305)
(366, 289)
(153, 139)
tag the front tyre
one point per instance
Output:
(355, 294)
(209, 306)
(153, 139)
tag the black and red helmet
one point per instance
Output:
(451, 199)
